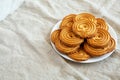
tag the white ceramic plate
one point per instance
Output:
(96, 59)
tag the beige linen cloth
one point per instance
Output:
(25, 49)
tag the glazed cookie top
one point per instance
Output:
(69, 38)
(101, 39)
(84, 28)
(79, 55)
(85, 16)
(67, 21)
(64, 48)
(101, 24)
(55, 35)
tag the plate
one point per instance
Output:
(91, 60)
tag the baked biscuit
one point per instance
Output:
(101, 39)
(67, 21)
(101, 24)
(84, 28)
(79, 55)
(55, 35)
(93, 51)
(85, 16)
(64, 48)
(69, 38)
(111, 45)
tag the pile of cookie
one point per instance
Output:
(82, 36)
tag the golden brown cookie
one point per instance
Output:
(101, 39)
(93, 51)
(101, 24)
(67, 21)
(55, 35)
(111, 45)
(64, 48)
(69, 38)
(85, 16)
(79, 55)
(84, 28)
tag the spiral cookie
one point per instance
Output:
(69, 38)
(93, 51)
(64, 48)
(111, 45)
(101, 24)
(67, 21)
(79, 55)
(85, 16)
(55, 35)
(101, 39)
(84, 28)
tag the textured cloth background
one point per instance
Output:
(25, 49)
(8, 6)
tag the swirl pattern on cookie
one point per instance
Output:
(84, 28)
(93, 51)
(101, 24)
(101, 39)
(69, 38)
(64, 48)
(79, 55)
(111, 45)
(67, 21)
(55, 35)
(85, 16)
